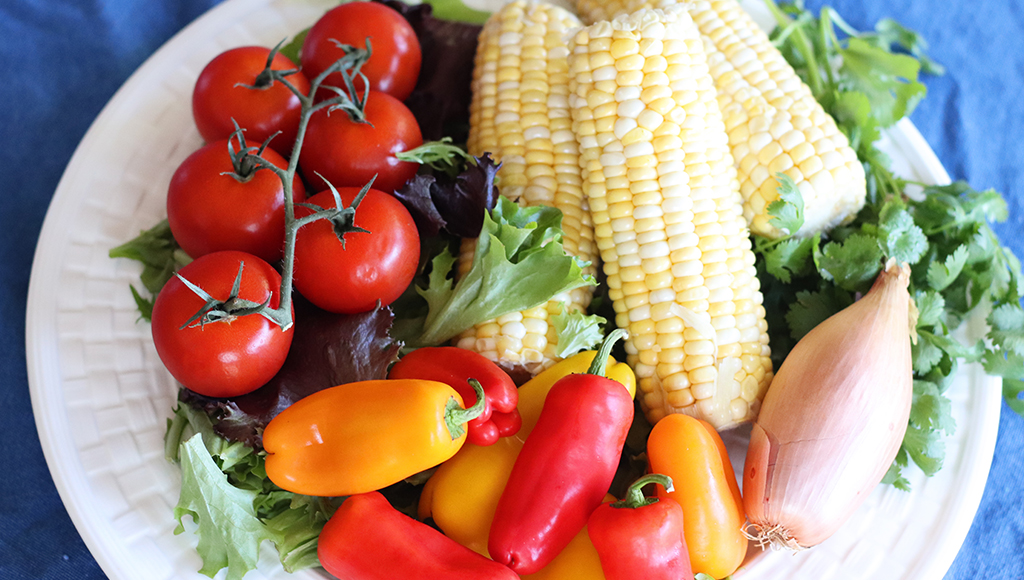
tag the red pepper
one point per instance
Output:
(564, 469)
(368, 539)
(641, 537)
(454, 366)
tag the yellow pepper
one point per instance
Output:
(463, 493)
(364, 436)
(578, 561)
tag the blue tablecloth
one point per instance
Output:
(66, 58)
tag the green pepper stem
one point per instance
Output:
(455, 417)
(600, 362)
(635, 497)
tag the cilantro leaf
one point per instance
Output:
(1007, 322)
(229, 532)
(901, 238)
(927, 352)
(853, 263)
(788, 210)
(931, 408)
(930, 307)
(790, 257)
(888, 79)
(894, 476)
(925, 447)
(812, 308)
(576, 331)
(519, 263)
(890, 32)
(1012, 390)
(942, 274)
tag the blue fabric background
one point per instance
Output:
(67, 58)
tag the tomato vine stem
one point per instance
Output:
(349, 66)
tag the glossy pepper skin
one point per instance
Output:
(463, 493)
(364, 436)
(578, 561)
(454, 366)
(641, 537)
(368, 539)
(564, 469)
(691, 452)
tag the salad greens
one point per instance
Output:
(518, 263)
(958, 266)
(161, 257)
(234, 506)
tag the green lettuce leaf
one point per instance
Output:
(229, 532)
(576, 331)
(519, 263)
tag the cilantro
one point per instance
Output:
(900, 237)
(942, 274)
(1012, 390)
(930, 408)
(888, 79)
(1007, 322)
(867, 81)
(790, 257)
(788, 210)
(812, 308)
(929, 308)
(854, 263)
(576, 331)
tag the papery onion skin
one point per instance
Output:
(833, 419)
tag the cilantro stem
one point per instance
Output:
(803, 45)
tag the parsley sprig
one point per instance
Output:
(868, 81)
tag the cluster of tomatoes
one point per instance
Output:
(214, 325)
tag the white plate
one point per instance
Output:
(101, 397)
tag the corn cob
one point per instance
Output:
(520, 114)
(674, 246)
(775, 125)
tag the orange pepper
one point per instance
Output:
(463, 493)
(364, 436)
(692, 453)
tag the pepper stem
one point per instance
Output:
(597, 367)
(455, 417)
(635, 497)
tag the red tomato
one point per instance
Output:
(349, 154)
(371, 266)
(219, 96)
(209, 211)
(225, 358)
(395, 59)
